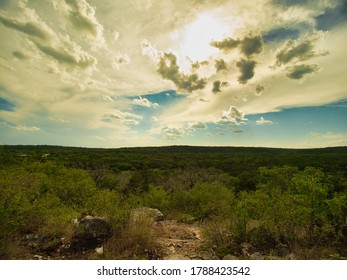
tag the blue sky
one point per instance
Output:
(152, 73)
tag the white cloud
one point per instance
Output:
(58, 120)
(232, 117)
(123, 117)
(198, 125)
(150, 51)
(120, 60)
(109, 98)
(82, 17)
(174, 133)
(141, 101)
(21, 127)
(263, 121)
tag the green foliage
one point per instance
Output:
(157, 197)
(240, 194)
(204, 200)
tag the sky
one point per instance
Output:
(114, 73)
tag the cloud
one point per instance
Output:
(232, 117)
(226, 45)
(329, 135)
(82, 17)
(297, 72)
(217, 86)
(259, 89)
(248, 46)
(174, 133)
(60, 48)
(109, 98)
(60, 120)
(150, 51)
(204, 100)
(169, 70)
(263, 121)
(246, 68)
(144, 102)
(237, 130)
(68, 53)
(252, 45)
(120, 60)
(20, 127)
(32, 29)
(221, 65)
(329, 138)
(198, 125)
(297, 51)
(19, 55)
(123, 117)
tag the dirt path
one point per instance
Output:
(181, 241)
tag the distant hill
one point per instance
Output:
(230, 159)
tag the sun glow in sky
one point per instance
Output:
(177, 72)
(199, 34)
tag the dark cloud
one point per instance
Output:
(80, 59)
(281, 34)
(169, 70)
(294, 50)
(248, 46)
(259, 89)
(218, 85)
(237, 130)
(226, 45)
(297, 72)
(247, 70)
(19, 55)
(221, 65)
(252, 45)
(195, 66)
(332, 17)
(27, 28)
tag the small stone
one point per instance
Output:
(99, 250)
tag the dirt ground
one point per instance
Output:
(181, 241)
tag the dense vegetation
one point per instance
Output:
(280, 201)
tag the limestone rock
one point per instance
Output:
(90, 233)
(146, 212)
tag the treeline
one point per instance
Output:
(233, 160)
(281, 203)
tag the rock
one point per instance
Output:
(230, 257)
(99, 250)
(146, 212)
(257, 256)
(38, 243)
(90, 233)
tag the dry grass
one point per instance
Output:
(134, 241)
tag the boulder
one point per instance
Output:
(146, 212)
(90, 233)
(39, 243)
